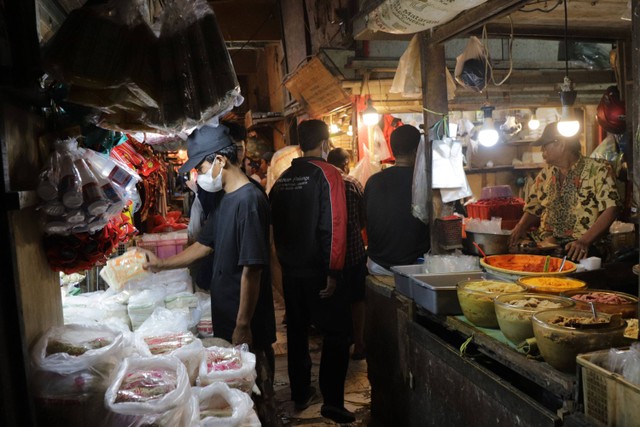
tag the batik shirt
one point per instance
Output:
(568, 209)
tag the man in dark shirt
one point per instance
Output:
(309, 212)
(355, 264)
(395, 236)
(238, 231)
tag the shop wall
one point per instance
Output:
(38, 287)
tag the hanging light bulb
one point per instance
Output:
(567, 126)
(333, 128)
(350, 131)
(488, 135)
(534, 123)
(370, 115)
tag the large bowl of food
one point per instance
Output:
(552, 284)
(611, 302)
(517, 265)
(563, 334)
(514, 312)
(476, 299)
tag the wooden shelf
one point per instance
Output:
(528, 166)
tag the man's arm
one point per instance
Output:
(579, 248)
(520, 230)
(183, 259)
(249, 293)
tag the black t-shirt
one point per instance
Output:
(238, 231)
(395, 236)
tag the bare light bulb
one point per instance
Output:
(488, 135)
(333, 128)
(370, 115)
(534, 123)
(567, 126)
(350, 131)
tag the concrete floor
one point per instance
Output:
(357, 389)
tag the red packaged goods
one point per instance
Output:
(168, 343)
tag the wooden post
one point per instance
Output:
(434, 99)
(635, 102)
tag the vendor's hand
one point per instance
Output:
(330, 289)
(153, 264)
(242, 335)
(516, 236)
(577, 250)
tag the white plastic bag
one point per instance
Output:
(364, 168)
(447, 154)
(166, 332)
(235, 366)
(472, 69)
(151, 390)
(408, 78)
(72, 348)
(142, 304)
(419, 197)
(196, 220)
(222, 406)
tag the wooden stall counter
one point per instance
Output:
(420, 376)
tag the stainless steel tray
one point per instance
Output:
(437, 292)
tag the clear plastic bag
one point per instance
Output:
(234, 366)
(165, 333)
(73, 348)
(451, 263)
(142, 305)
(151, 390)
(364, 168)
(222, 406)
(407, 79)
(419, 198)
(472, 70)
(126, 267)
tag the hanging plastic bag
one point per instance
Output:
(419, 195)
(407, 80)
(196, 219)
(380, 146)
(446, 156)
(472, 68)
(364, 168)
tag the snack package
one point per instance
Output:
(165, 333)
(124, 268)
(233, 366)
(73, 348)
(153, 390)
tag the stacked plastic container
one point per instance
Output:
(497, 201)
(164, 245)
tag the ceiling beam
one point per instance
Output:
(472, 19)
(534, 31)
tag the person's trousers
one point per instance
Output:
(331, 316)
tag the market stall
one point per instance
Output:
(427, 359)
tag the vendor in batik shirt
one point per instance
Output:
(574, 198)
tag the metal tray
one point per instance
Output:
(437, 292)
(402, 275)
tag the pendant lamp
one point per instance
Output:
(567, 126)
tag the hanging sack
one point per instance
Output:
(472, 68)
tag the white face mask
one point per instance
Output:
(209, 183)
(325, 154)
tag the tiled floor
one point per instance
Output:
(357, 389)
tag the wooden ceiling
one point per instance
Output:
(587, 19)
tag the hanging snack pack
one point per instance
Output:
(197, 76)
(81, 190)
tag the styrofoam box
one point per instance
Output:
(608, 397)
(437, 292)
(402, 276)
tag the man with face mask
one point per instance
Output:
(309, 212)
(238, 231)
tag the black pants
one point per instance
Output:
(331, 316)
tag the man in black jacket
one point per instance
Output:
(309, 217)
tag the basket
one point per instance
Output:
(449, 232)
(608, 397)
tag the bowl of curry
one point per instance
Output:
(526, 265)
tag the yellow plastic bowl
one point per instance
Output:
(551, 284)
